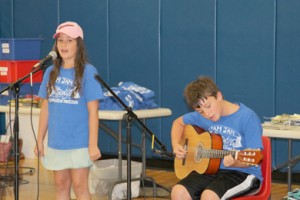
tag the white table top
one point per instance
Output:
(22, 110)
(291, 132)
(148, 113)
(104, 114)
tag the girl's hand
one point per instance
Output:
(94, 152)
(39, 150)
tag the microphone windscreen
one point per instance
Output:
(53, 54)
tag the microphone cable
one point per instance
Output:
(35, 139)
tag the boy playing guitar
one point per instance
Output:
(239, 128)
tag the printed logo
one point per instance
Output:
(231, 138)
(63, 93)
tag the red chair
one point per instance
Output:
(266, 167)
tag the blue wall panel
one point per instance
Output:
(287, 58)
(33, 19)
(133, 47)
(6, 18)
(251, 48)
(287, 69)
(2, 124)
(245, 53)
(187, 51)
(133, 42)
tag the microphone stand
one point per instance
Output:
(129, 116)
(15, 88)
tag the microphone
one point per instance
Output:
(165, 153)
(52, 55)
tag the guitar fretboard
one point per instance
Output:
(213, 153)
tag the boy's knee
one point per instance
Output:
(180, 192)
(209, 195)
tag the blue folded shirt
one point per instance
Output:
(133, 95)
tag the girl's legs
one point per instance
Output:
(80, 179)
(62, 179)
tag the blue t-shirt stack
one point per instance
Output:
(133, 95)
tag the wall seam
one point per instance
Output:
(274, 57)
(274, 74)
(215, 41)
(58, 12)
(159, 65)
(108, 40)
(13, 20)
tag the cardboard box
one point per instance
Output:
(11, 71)
(20, 48)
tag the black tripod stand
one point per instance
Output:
(129, 116)
(15, 88)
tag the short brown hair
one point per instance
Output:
(200, 89)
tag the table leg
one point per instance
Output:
(120, 150)
(143, 148)
(289, 165)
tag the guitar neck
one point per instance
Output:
(214, 153)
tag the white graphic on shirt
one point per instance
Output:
(63, 93)
(130, 101)
(231, 138)
(136, 88)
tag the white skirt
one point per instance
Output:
(56, 159)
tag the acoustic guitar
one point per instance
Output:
(205, 151)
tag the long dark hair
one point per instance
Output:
(80, 61)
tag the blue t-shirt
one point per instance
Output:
(68, 126)
(239, 131)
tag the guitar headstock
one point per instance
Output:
(250, 156)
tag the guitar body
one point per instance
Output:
(197, 139)
(205, 151)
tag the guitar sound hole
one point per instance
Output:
(198, 152)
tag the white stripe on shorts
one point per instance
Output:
(241, 188)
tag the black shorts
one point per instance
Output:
(226, 184)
